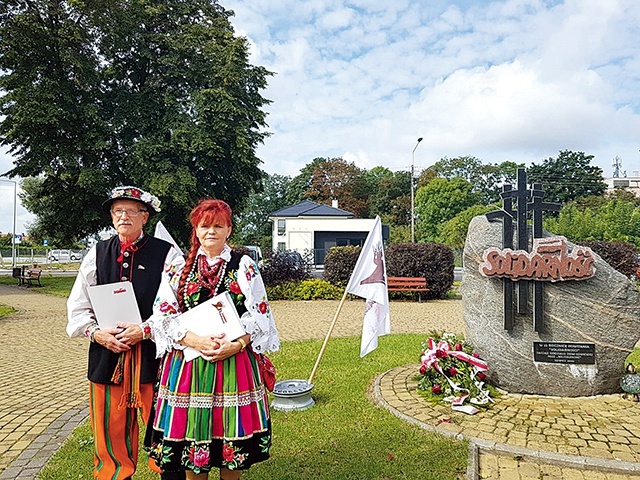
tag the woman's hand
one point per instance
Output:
(129, 333)
(224, 350)
(202, 344)
(107, 337)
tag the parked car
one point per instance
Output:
(255, 252)
(64, 256)
(294, 259)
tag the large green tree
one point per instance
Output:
(454, 231)
(156, 93)
(252, 224)
(439, 201)
(390, 196)
(486, 179)
(567, 177)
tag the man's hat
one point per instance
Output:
(151, 202)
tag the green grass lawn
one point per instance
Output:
(344, 436)
(53, 285)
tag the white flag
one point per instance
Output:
(163, 234)
(369, 280)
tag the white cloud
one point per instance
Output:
(506, 80)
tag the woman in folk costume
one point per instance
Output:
(122, 361)
(212, 411)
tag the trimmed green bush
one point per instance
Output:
(282, 291)
(318, 289)
(339, 264)
(434, 261)
(310, 289)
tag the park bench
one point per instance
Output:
(408, 284)
(30, 277)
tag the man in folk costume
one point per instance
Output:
(122, 361)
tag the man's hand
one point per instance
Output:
(107, 338)
(129, 333)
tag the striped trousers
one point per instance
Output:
(116, 431)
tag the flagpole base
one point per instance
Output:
(291, 395)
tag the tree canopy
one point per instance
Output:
(441, 200)
(252, 225)
(486, 179)
(158, 94)
(567, 177)
(338, 179)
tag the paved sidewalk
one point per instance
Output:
(529, 436)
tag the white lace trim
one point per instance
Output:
(208, 400)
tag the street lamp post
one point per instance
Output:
(15, 210)
(413, 163)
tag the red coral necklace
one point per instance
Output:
(210, 276)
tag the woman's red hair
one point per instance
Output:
(205, 212)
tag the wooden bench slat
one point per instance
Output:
(407, 284)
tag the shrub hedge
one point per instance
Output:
(310, 289)
(339, 264)
(283, 266)
(434, 261)
(620, 255)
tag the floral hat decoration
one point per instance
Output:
(133, 193)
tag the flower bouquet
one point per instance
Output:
(452, 372)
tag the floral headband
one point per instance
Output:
(133, 193)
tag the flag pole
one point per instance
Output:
(326, 339)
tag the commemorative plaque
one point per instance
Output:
(564, 352)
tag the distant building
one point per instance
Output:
(631, 183)
(313, 227)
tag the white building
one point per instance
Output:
(631, 183)
(313, 227)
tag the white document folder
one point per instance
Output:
(114, 302)
(215, 316)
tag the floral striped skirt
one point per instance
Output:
(210, 415)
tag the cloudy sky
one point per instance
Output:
(504, 80)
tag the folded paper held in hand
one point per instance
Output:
(215, 316)
(114, 302)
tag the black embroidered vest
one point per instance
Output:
(144, 269)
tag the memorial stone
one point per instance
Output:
(587, 329)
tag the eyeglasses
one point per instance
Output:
(130, 212)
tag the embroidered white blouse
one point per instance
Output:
(257, 321)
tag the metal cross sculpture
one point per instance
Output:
(528, 204)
